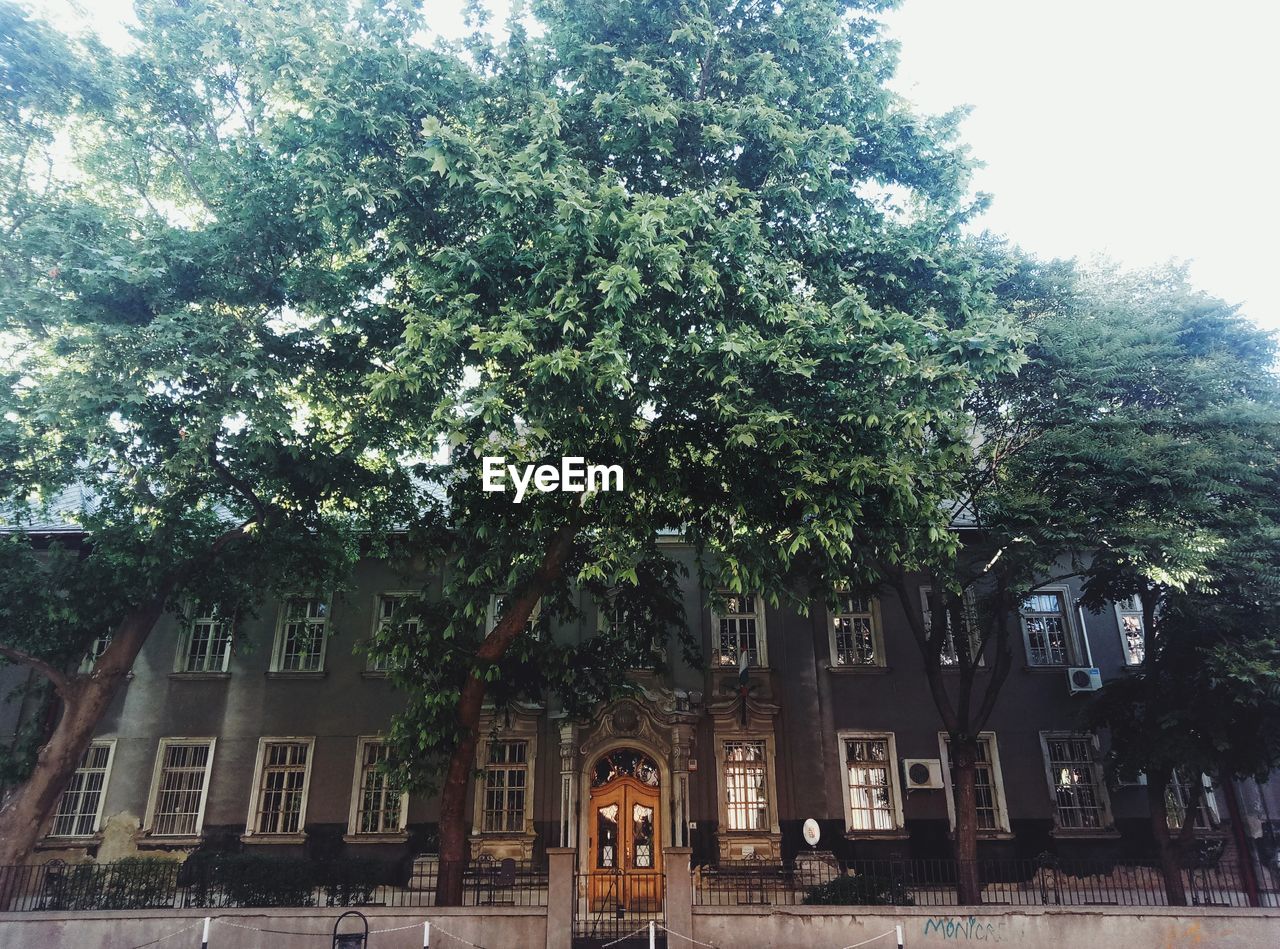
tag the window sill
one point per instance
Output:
(297, 675)
(504, 834)
(375, 674)
(859, 670)
(68, 843)
(397, 838)
(277, 839)
(988, 835)
(198, 676)
(1075, 833)
(147, 842)
(1048, 670)
(876, 835)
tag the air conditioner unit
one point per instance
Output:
(922, 774)
(1084, 680)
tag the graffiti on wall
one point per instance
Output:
(963, 928)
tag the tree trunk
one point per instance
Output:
(85, 700)
(964, 770)
(457, 781)
(1166, 844)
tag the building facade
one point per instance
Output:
(268, 738)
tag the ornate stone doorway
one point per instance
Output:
(624, 843)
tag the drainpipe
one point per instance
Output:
(1244, 847)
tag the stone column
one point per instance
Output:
(568, 785)
(679, 898)
(681, 738)
(560, 896)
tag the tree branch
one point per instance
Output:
(59, 679)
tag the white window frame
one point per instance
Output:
(156, 773)
(256, 789)
(764, 764)
(357, 798)
(997, 783)
(185, 640)
(524, 767)
(950, 658)
(872, 615)
(1130, 607)
(282, 621)
(492, 615)
(371, 668)
(1208, 803)
(604, 624)
(762, 638)
(110, 745)
(1106, 820)
(523, 727)
(895, 783)
(96, 649)
(1072, 637)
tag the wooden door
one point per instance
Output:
(626, 850)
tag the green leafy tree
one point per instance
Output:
(179, 379)
(699, 241)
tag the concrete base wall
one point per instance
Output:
(1084, 928)
(491, 927)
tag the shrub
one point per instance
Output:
(859, 889)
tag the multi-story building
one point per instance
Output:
(269, 736)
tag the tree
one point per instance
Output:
(702, 242)
(1189, 450)
(179, 380)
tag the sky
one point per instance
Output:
(1139, 130)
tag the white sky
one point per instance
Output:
(1139, 129)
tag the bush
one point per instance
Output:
(859, 890)
(251, 880)
(131, 883)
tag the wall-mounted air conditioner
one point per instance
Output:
(1084, 680)
(920, 774)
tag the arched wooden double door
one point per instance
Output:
(625, 845)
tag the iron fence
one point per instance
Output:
(236, 881)
(820, 879)
(616, 909)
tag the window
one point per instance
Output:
(281, 784)
(506, 780)
(1132, 640)
(388, 606)
(989, 785)
(79, 811)
(498, 603)
(871, 794)
(96, 649)
(1178, 794)
(180, 786)
(300, 641)
(1075, 777)
(625, 624)
(1046, 629)
(740, 629)
(379, 801)
(949, 656)
(855, 632)
(206, 644)
(746, 785)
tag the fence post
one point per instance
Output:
(679, 896)
(560, 896)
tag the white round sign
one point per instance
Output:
(812, 833)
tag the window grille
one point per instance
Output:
(505, 783)
(870, 784)
(949, 655)
(985, 790)
(1044, 624)
(855, 638)
(746, 784)
(1077, 781)
(1129, 616)
(282, 787)
(80, 807)
(208, 644)
(739, 631)
(380, 793)
(1178, 794)
(184, 774)
(302, 638)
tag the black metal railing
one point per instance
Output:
(617, 908)
(820, 879)
(235, 881)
